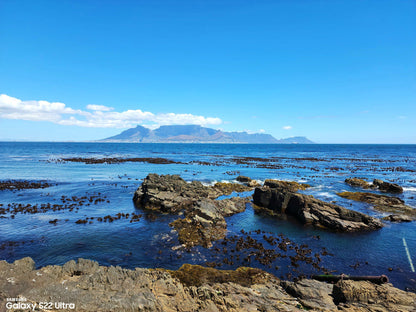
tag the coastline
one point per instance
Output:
(86, 286)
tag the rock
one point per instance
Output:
(382, 203)
(377, 184)
(289, 185)
(226, 188)
(358, 183)
(243, 179)
(190, 288)
(379, 297)
(311, 294)
(309, 210)
(204, 217)
(202, 224)
(170, 193)
(398, 218)
(387, 186)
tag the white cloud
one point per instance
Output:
(99, 116)
(102, 108)
(287, 127)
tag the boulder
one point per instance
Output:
(357, 294)
(387, 186)
(377, 184)
(204, 217)
(309, 210)
(289, 185)
(382, 203)
(359, 183)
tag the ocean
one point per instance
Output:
(52, 236)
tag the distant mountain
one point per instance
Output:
(295, 140)
(195, 134)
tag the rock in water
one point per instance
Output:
(387, 186)
(204, 217)
(309, 210)
(384, 203)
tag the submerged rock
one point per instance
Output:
(87, 286)
(283, 199)
(383, 203)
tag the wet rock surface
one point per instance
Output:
(91, 287)
(282, 199)
(377, 184)
(203, 219)
(383, 203)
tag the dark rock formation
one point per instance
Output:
(309, 210)
(289, 185)
(91, 287)
(377, 184)
(204, 217)
(387, 186)
(359, 183)
(382, 203)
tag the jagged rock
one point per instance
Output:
(204, 217)
(247, 181)
(289, 185)
(309, 210)
(90, 287)
(385, 297)
(359, 183)
(382, 203)
(387, 186)
(170, 193)
(398, 218)
(243, 179)
(377, 184)
(312, 294)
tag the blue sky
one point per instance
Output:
(333, 71)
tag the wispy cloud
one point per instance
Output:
(287, 127)
(98, 116)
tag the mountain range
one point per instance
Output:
(196, 134)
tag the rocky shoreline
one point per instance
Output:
(86, 286)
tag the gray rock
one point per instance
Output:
(309, 210)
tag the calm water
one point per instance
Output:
(152, 243)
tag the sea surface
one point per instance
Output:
(152, 243)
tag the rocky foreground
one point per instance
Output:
(86, 286)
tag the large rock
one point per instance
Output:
(384, 298)
(387, 186)
(384, 203)
(88, 286)
(377, 184)
(204, 217)
(310, 210)
(170, 193)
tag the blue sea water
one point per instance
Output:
(151, 242)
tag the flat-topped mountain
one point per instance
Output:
(195, 134)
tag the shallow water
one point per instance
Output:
(149, 242)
